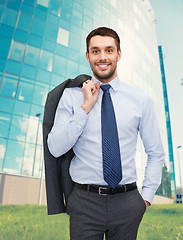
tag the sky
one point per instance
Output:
(169, 27)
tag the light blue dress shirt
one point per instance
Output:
(134, 111)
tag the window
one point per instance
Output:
(13, 67)
(59, 65)
(28, 71)
(4, 124)
(2, 64)
(20, 35)
(22, 108)
(46, 60)
(9, 85)
(38, 161)
(63, 37)
(24, 22)
(32, 56)
(40, 12)
(6, 30)
(55, 7)
(72, 69)
(40, 93)
(52, 19)
(2, 151)
(14, 156)
(4, 46)
(6, 104)
(9, 17)
(48, 45)
(35, 40)
(43, 2)
(27, 8)
(32, 130)
(74, 42)
(51, 31)
(25, 90)
(18, 128)
(17, 51)
(56, 79)
(43, 76)
(37, 26)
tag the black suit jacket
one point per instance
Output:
(58, 181)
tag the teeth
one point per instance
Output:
(103, 66)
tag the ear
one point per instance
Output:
(119, 55)
(87, 57)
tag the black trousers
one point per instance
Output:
(92, 215)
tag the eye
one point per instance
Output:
(109, 50)
(95, 51)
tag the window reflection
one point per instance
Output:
(4, 46)
(14, 156)
(37, 26)
(17, 51)
(13, 67)
(28, 159)
(35, 40)
(40, 93)
(72, 68)
(25, 90)
(9, 17)
(2, 151)
(21, 108)
(28, 71)
(9, 85)
(43, 2)
(59, 65)
(20, 35)
(27, 8)
(38, 161)
(18, 129)
(63, 37)
(32, 56)
(4, 124)
(51, 31)
(46, 60)
(43, 76)
(55, 7)
(24, 21)
(6, 104)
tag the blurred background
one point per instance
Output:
(42, 43)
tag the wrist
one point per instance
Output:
(86, 107)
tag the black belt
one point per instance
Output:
(104, 190)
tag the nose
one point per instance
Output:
(102, 56)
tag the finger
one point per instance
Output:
(97, 85)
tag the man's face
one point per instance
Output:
(103, 57)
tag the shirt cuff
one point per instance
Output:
(147, 194)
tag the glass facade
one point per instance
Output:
(42, 43)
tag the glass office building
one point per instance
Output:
(42, 43)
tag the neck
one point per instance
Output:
(105, 80)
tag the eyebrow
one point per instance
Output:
(93, 48)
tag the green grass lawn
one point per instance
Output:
(31, 222)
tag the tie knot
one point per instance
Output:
(105, 87)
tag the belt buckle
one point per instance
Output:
(100, 189)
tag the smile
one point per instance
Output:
(103, 66)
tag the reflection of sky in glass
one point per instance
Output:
(41, 44)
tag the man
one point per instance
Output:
(101, 122)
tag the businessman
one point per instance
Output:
(101, 122)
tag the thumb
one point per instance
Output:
(97, 85)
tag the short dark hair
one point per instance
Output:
(103, 31)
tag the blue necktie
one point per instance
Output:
(110, 143)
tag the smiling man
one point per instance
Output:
(101, 122)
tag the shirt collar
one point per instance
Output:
(114, 83)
